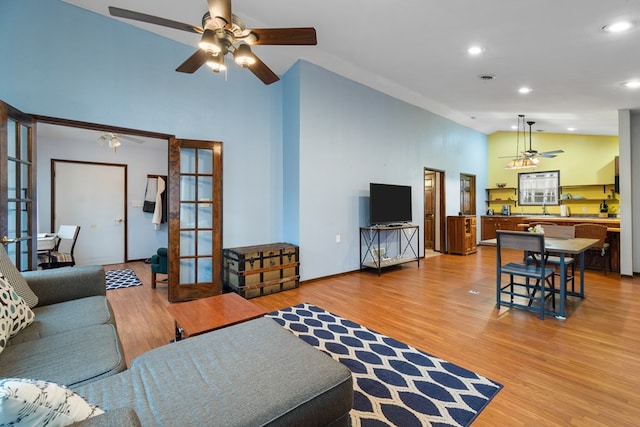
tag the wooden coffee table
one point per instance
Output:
(208, 314)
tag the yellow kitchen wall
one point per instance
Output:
(587, 159)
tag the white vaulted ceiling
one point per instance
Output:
(416, 50)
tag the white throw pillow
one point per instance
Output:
(15, 314)
(36, 403)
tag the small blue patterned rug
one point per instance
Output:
(118, 279)
(394, 383)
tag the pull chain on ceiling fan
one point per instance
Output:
(222, 33)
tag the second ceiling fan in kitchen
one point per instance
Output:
(529, 158)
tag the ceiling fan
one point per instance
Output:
(530, 157)
(223, 32)
(531, 153)
(113, 140)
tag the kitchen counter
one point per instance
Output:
(490, 223)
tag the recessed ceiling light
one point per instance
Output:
(618, 27)
(525, 90)
(572, 129)
(475, 50)
(631, 84)
(514, 127)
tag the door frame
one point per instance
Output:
(124, 194)
(102, 128)
(440, 207)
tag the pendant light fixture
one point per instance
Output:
(521, 161)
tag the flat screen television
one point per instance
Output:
(389, 204)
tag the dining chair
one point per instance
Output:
(596, 231)
(533, 245)
(561, 232)
(62, 254)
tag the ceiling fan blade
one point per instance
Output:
(264, 73)
(550, 153)
(132, 139)
(150, 19)
(221, 9)
(194, 62)
(285, 36)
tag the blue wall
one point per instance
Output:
(298, 154)
(350, 136)
(62, 61)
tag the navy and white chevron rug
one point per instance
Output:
(394, 383)
(118, 279)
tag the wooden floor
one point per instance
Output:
(584, 371)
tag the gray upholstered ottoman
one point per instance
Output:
(251, 374)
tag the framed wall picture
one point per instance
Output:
(539, 188)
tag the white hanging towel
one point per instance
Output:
(157, 213)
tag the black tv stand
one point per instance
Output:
(387, 245)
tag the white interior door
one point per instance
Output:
(92, 195)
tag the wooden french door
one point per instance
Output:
(434, 210)
(195, 219)
(429, 208)
(18, 186)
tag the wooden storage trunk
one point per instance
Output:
(252, 271)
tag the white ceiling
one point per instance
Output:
(416, 50)
(48, 133)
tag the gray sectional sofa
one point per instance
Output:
(73, 339)
(255, 373)
(251, 374)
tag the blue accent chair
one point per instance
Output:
(159, 264)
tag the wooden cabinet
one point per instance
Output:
(490, 223)
(461, 235)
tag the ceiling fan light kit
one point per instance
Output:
(111, 139)
(223, 32)
(243, 56)
(210, 42)
(216, 63)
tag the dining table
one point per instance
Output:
(576, 246)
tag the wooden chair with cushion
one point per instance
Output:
(596, 231)
(533, 245)
(62, 254)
